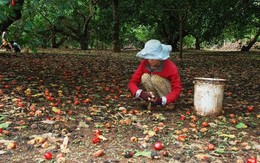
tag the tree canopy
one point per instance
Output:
(115, 24)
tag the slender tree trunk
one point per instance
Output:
(181, 35)
(174, 43)
(197, 44)
(53, 39)
(57, 44)
(181, 26)
(116, 43)
(251, 43)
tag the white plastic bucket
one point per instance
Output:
(208, 96)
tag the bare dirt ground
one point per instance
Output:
(58, 101)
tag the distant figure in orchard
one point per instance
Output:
(16, 47)
(5, 44)
(157, 74)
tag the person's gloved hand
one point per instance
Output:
(145, 95)
(157, 101)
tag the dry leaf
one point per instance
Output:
(48, 121)
(65, 143)
(98, 153)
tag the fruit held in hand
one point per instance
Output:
(48, 155)
(158, 146)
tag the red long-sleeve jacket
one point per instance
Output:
(169, 71)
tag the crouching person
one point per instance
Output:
(157, 75)
(16, 47)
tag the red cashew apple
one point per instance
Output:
(98, 132)
(211, 146)
(251, 160)
(48, 155)
(158, 146)
(183, 117)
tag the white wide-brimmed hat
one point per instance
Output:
(154, 49)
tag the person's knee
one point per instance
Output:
(156, 80)
(146, 78)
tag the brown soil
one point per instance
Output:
(79, 92)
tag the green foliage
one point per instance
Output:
(143, 33)
(5, 10)
(4, 2)
(85, 23)
(189, 41)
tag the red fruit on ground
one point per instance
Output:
(107, 89)
(11, 145)
(211, 146)
(70, 112)
(96, 140)
(183, 117)
(251, 160)
(48, 155)
(76, 102)
(158, 146)
(233, 120)
(182, 138)
(232, 115)
(205, 124)
(156, 129)
(250, 108)
(41, 81)
(20, 104)
(98, 132)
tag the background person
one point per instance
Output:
(157, 74)
(16, 47)
(5, 43)
(4, 36)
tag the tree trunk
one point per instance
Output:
(57, 44)
(53, 40)
(84, 44)
(181, 29)
(116, 43)
(17, 9)
(182, 18)
(251, 43)
(197, 44)
(174, 44)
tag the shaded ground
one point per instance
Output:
(56, 101)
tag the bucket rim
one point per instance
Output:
(209, 79)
